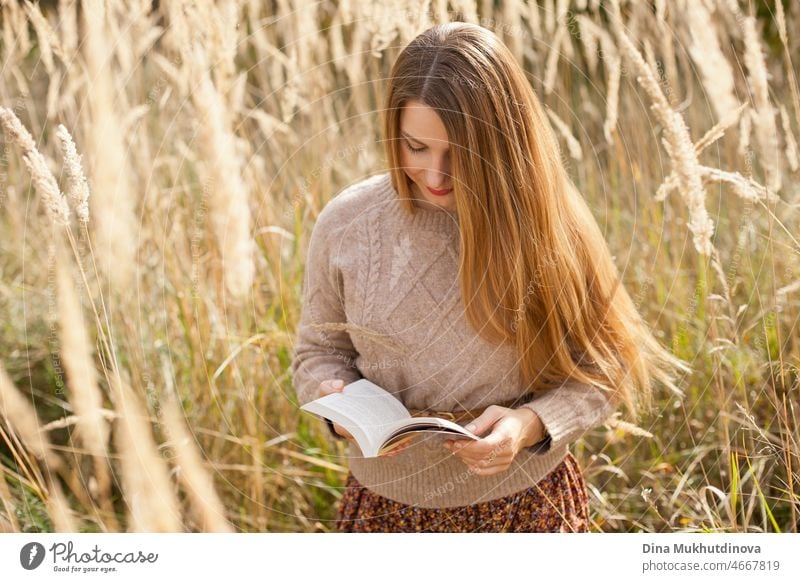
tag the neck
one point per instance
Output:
(424, 204)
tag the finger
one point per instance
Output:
(397, 450)
(399, 447)
(499, 438)
(494, 449)
(491, 415)
(470, 454)
(330, 386)
(473, 452)
(479, 448)
(340, 430)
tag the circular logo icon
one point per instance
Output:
(31, 555)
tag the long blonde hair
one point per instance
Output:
(535, 268)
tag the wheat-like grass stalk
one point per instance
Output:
(74, 420)
(68, 26)
(745, 128)
(716, 72)
(8, 522)
(677, 141)
(766, 130)
(16, 43)
(42, 177)
(626, 427)
(510, 12)
(21, 415)
(780, 21)
(44, 33)
(59, 510)
(534, 18)
(113, 202)
(8, 518)
(791, 144)
(76, 349)
(18, 413)
(588, 38)
(563, 15)
(613, 62)
(214, 25)
(190, 470)
(84, 392)
(591, 33)
(573, 145)
(335, 41)
(549, 17)
(230, 210)
(649, 55)
(553, 57)
(665, 36)
(744, 187)
(719, 129)
(77, 188)
(151, 502)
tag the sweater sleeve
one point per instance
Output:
(322, 354)
(568, 412)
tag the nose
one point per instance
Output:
(438, 177)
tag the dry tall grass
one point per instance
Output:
(151, 276)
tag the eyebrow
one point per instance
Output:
(411, 137)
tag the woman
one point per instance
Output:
(471, 281)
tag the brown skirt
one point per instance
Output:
(557, 503)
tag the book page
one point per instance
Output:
(365, 409)
(406, 429)
(374, 404)
(366, 442)
(429, 424)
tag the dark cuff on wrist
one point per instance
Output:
(542, 446)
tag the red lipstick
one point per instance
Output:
(435, 192)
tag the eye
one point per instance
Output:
(413, 150)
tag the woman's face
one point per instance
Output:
(426, 154)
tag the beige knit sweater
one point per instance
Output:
(391, 277)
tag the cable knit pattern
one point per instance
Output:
(370, 263)
(382, 301)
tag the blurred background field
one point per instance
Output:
(145, 339)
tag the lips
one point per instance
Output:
(435, 192)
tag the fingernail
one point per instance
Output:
(470, 427)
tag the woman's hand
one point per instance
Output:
(512, 430)
(329, 387)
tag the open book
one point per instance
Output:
(377, 420)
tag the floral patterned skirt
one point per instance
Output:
(557, 503)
